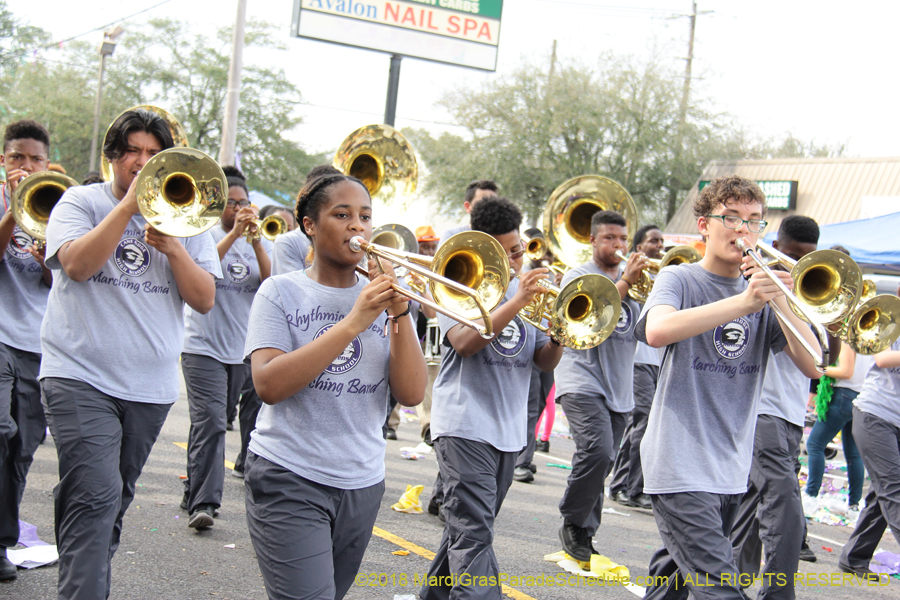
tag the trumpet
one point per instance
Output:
(821, 357)
(269, 228)
(536, 249)
(182, 192)
(34, 199)
(581, 315)
(467, 277)
(679, 255)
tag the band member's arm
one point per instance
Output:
(83, 257)
(845, 364)
(39, 252)
(278, 375)
(408, 374)
(547, 356)
(262, 259)
(467, 342)
(7, 225)
(244, 216)
(802, 359)
(195, 286)
(889, 359)
(632, 273)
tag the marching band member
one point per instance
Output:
(25, 282)
(212, 360)
(475, 191)
(771, 511)
(479, 414)
(291, 250)
(595, 388)
(627, 485)
(876, 429)
(111, 337)
(324, 357)
(717, 331)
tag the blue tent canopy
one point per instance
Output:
(873, 243)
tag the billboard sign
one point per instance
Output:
(459, 32)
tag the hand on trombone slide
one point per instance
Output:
(762, 288)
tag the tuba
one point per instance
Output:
(380, 157)
(34, 199)
(182, 192)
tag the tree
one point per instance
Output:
(169, 65)
(17, 41)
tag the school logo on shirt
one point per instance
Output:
(132, 257)
(512, 339)
(18, 245)
(730, 339)
(625, 319)
(238, 271)
(348, 359)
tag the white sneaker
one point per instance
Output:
(810, 504)
(853, 514)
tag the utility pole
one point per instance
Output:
(390, 106)
(233, 95)
(106, 50)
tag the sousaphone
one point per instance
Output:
(380, 157)
(179, 135)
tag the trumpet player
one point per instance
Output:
(110, 338)
(25, 282)
(215, 374)
(595, 389)
(627, 486)
(717, 330)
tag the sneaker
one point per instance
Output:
(184, 502)
(810, 504)
(390, 434)
(806, 552)
(434, 507)
(532, 467)
(542, 446)
(641, 501)
(576, 541)
(853, 513)
(523, 475)
(864, 572)
(202, 517)
(622, 498)
(237, 471)
(8, 571)
(229, 426)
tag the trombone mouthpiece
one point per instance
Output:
(742, 245)
(356, 243)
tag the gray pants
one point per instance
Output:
(209, 383)
(694, 527)
(628, 476)
(597, 432)
(309, 538)
(476, 477)
(250, 405)
(537, 396)
(102, 444)
(771, 512)
(22, 426)
(879, 444)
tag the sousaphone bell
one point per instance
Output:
(380, 157)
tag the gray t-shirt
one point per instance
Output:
(330, 431)
(289, 252)
(453, 231)
(220, 333)
(785, 390)
(484, 397)
(24, 291)
(880, 395)
(122, 330)
(606, 370)
(700, 431)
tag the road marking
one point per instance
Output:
(825, 539)
(428, 554)
(562, 460)
(228, 463)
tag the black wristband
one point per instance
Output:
(397, 318)
(555, 343)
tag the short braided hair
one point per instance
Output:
(315, 194)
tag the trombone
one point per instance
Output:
(182, 192)
(467, 277)
(34, 200)
(581, 315)
(820, 357)
(399, 237)
(269, 228)
(678, 255)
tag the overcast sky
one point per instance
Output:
(820, 70)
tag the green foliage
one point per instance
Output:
(17, 41)
(167, 64)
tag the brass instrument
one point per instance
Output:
(872, 327)
(34, 199)
(269, 228)
(380, 157)
(432, 342)
(567, 216)
(536, 249)
(467, 277)
(179, 136)
(182, 192)
(581, 315)
(399, 237)
(678, 255)
(821, 357)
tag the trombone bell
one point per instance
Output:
(477, 261)
(182, 192)
(873, 326)
(34, 199)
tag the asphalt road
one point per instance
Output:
(161, 558)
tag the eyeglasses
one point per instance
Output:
(733, 222)
(242, 203)
(516, 255)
